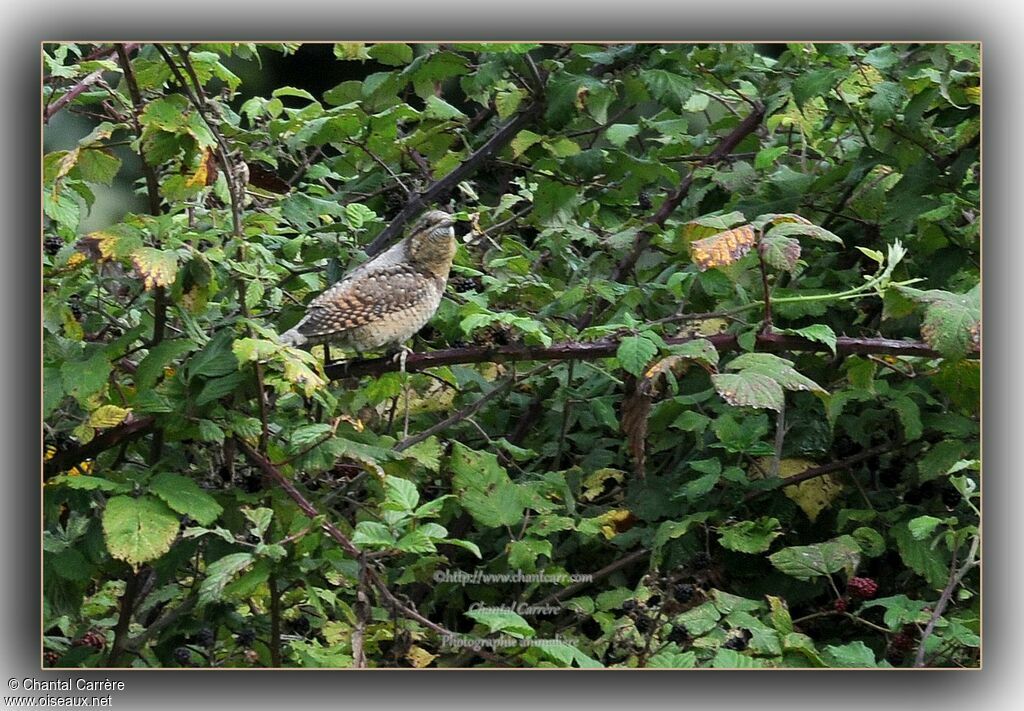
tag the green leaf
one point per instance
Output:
(923, 526)
(778, 369)
(98, 166)
(618, 133)
(780, 252)
(85, 378)
(504, 621)
(393, 54)
(731, 659)
(852, 655)
(766, 157)
(673, 660)
(819, 332)
(373, 535)
(152, 366)
(749, 536)
(697, 349)
(748, 389)
(635, 352)
(440, 109)
(952, 322)
(156, 267)
(816, 82)
(799, 229)
(219, 573)
(779, 615)
(522, 142)
(806, 562)
(138, 530)
(184, 496)
(929, 562)
(401, 494)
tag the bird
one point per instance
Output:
(381, 304)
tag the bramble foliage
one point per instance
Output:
(741, 264)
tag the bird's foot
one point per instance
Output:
(400, 357)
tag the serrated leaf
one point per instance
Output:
(818, 332)
(504, 621)
(923, 526)
(156, 267)
(635, 352)
(806, 562)
(799, 229)
(952, 322)
(372, 534)
(617, 134)
(438, 108)
(400, 494)
(184, 496)
(749, 536)
(780, 252)
(723, 248)
(522, 142)
(855, 655)
(219, 573)
(107, 416)
(749, 389)
(138, 530)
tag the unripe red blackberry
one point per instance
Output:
(840, 605)
(92, 639)
(902, 643)
(862, 588)
(51, 658)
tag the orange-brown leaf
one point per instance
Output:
(724, 248)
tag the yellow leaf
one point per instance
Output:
(107, 416)
(156, 267)
(201, 174)
(615, 522)
(76, 259)
(595, 484)
(724, 248)
(419, 657)
(812, 496)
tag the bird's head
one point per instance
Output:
(435, 224)
(432, 241)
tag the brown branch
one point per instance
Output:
(604, 572)
(275, 621)
(419, 201)
(67, 458)
(956, 575)
(660, 217)
(815, 472)
(591, 350)
(469, 410)
(407, 610)
(82, 86)
(124, 617)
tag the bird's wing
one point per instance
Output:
(362, 299)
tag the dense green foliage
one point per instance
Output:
(213, 498)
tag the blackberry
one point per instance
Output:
(462, 284)
(902, 643)
(862, 588)
(182, 655)
(679, 635)
(643, 200)
(92, 639)
(701, 560)
(737, 642)
(246, 636)
(683, 592)
(644, 624)
(205, 637)
(950, 498)
(629, 606)
(654, 600)
(51, 658)
(301, 626)
(841, 604)
(52, 245)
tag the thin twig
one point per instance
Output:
(956, 575)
